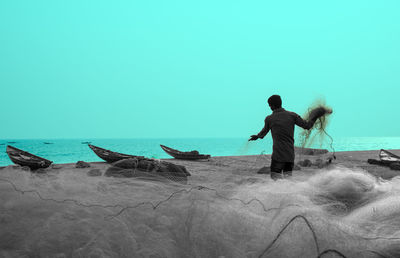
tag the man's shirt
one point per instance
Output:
(281, 123)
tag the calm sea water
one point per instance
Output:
(72, 150)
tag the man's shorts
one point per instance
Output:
(281, 170)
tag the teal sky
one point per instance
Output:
(178, 68)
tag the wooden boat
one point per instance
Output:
(189, 155)
(110, 156)
(388, 157)
(27, 159)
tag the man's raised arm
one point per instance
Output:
(303, 123)
(314, 115)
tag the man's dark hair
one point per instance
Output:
(275, 101)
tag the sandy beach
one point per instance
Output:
(250, 164)
(226, 209)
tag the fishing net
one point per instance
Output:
(319, 112)
(223, 211)
(139, 167)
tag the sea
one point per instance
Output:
(73, 150)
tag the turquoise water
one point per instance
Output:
(72, 150)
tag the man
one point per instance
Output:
(281, 123)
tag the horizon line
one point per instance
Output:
(189, 137)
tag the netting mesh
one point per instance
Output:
(221, 212)
(318, 132)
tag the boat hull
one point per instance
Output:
(110, 156)
(388, 157)
(183, 155)
(23, 158)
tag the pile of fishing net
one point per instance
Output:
(142, 167)
(64, 213)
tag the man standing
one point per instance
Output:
(281, 123)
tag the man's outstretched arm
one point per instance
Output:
(262, 133)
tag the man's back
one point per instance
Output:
(281, 123)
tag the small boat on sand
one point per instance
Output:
(27, 159)
(111, 156)
(189, 155)
(388, 157)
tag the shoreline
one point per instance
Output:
(248, 165)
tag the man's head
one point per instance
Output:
(275, 102)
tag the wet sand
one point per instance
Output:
(248, 165)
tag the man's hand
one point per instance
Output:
(253, 138)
